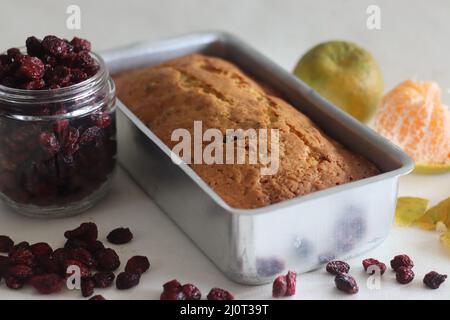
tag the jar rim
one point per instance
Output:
(61, 94)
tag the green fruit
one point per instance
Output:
(345, 74)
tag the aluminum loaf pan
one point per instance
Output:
(252, 246)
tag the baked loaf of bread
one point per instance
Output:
(176, 93)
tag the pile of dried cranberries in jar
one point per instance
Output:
(57, 127)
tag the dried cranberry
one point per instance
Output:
(70, 138)
(103, 279)
(49, 143)
(34, 47)
(21, 272)
(101, 120)
(219, 294)
(172, 286)
(41, 249)
(55, 46)
(78, 75)
(90, 135)
(60, 255)
(120, 236)
(87, 287)
(75, 244)
(291, 282)
(6, 244)
(59, 75)
(404, 275)
(95, 246)
(172, 291)
(80, 44)
(433, 280)
(346, 283)
(401, 261)
(336, 267)
(13, 283)
(49, 265)
(107, 260)
(191, 292)
(84, 270)
(97, 297)
(137, 264)
(84, 61)
(20, 246)
(172, 295)
(14, 53)
(32, 85)
(22, 256)
(126, 280)
(87, 231)
(279, 287)
(372, 263)
(47, 283)
(31, 68)
(84, 256)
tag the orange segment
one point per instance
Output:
(413, 117)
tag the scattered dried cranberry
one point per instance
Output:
(126, 280)
(137, 264)
(107, 260)
(21, 272)
(336, 267)
(60, 255)
(87, 287)
(370, 263)
(6, 244)
(95, 246)
(41, 249)
(84, 270)
(22, 256)
(13, 283)
(120, 236)
(404, 275)
(433, 280)
(75, 244)
(279, 287)
(172, 286)
(219, 294)
(47, 283)
(84, 256)
(191, 292)
(346, 283)
(291, 282)
(19, 246)
(97, 297)
(87, 232)
(401, 261)
(172, 295)
(103, 279)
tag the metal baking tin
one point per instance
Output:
(252, 246)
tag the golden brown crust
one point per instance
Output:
(174, 94)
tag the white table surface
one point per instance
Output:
(413, 42)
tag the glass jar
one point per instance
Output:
(58, 147)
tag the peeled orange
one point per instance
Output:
(414, 118)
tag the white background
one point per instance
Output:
(412, 43)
